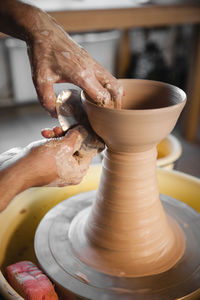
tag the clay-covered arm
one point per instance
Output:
(15, 176)
(55, 57)
(17, 19)
(57, 162)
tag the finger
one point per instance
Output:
(96, 91)
(52, 133)
(75, 137)
(58, 131)
(47, 97)
(116, 91)
(47, 133)
(94, 142)
(110, 83)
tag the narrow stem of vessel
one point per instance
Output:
(127, 214)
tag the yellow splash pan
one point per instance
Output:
(19, 221)
(169, 151)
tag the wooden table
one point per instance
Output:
(127, 15)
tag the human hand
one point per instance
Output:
(64, 161)
(55, 58)
(55, 162)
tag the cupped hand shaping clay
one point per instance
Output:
(126, 232)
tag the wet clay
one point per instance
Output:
(73, 158)
(126, 232)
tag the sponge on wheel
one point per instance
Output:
(30, 282)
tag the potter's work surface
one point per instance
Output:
(57, 258)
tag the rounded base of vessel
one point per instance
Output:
(124, 263)
(59, 261)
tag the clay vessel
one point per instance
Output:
(126, 232)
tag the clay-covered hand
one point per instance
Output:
(56, 162)
(55, 58)
(65, 161)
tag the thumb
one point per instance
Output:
(75, 138)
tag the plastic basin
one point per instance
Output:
(169, 151)
(19, 221)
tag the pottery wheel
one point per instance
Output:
(58, 260)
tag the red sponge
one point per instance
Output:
(30, 282)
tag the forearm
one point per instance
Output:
(15, 176)
(19, 19)
(22, 168)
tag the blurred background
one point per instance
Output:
(156, 40)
